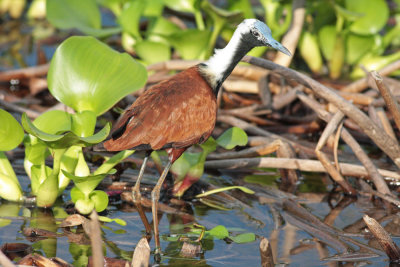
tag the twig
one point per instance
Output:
(292, 37)
(387, 127)
(258, 131)
(5, 261)
(300, 164)
(383, 237)
(141, 255)
(24, 73)
(381, 139)
(353, 144)
(31, 113)
(362, 83)
(95, 240)
(256, 151)
(333, 172)
(390, 100)
(267, 259)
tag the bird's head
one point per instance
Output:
(257, 33)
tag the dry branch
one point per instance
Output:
(383, 237)
(267, 259)
(300, 164)
(390, 100)
(141, 255)
(381, 139)
(24, 73)
(292, 37)
(95, 240)
(362, 83)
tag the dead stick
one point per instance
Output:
(141, 255)
(5, 261)
(248, 152)
(291, 38)
(300, 164)
(29, 72)
(330, 168)
(390, 100)
(376, 177)
(31, 113)
(362, 83)
(95, 240)
(267, 259)
(381, 139)
(384, 239)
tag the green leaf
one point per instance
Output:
(243, 6)
(153, 52)
(183, 5)
(76, 194)
(11, 133)
(39, 173)
(53, 122)
(154, 8)
(369, 23)
(219, 232)
(86, 74)
(84, 206)
(182, 165)
(357, 46)
(86, 184)
(130, 18)
(100, 200)
(82, 15)
(160, 28)
(9, 188)
(210, 145)
(33, 130)
(218, 190)
(243, 238)
(327, 38)
(114, 160)
(193, 49)
(116, 220)
(232, 137)
(64, 140)
(83, 123)
(309, 51)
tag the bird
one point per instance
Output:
(182, 110)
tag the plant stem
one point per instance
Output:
(199, 20)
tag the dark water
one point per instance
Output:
(261, 214)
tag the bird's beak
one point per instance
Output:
(278, 46)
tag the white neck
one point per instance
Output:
(221, 64)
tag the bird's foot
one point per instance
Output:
(136, 196)
(157, 255)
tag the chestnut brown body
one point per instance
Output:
(175, 113)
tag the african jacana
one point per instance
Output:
(182, 111)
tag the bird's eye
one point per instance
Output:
(256, 33)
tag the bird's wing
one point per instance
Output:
(175, 113)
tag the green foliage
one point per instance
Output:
(11, 133)
(218, 190)
(190, 166)
(82, 15)
(83, 70)
(368, 23)
(221, 232)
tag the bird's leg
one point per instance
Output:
(137, 198)
(155, 196)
